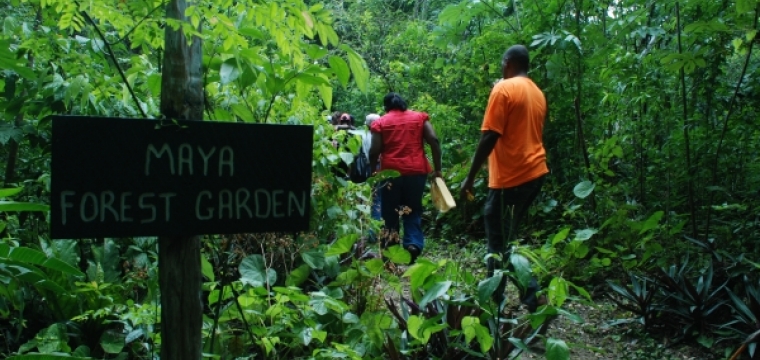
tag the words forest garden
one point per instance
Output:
(645, 236)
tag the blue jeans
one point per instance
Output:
(398, 194)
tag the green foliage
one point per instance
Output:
(640, 175)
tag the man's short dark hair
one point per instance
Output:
(394, 101)
(518, 55)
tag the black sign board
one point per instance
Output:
(116, 177)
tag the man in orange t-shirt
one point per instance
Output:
(511, 139)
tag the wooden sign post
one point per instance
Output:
(179, 268)
(177, 179)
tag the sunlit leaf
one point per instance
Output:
(22, 206)
(487, 287)
(339, 66)
(358, 68)
(419, 272)
(343, 245)
(297, 276)
(10, 191)
(584, 189)
(585, 234)
(397, 254)
(557, 349)
(315, 259)
(206, 268)
(652, 222)
(436, 291)
(229, 71)
(254, 272)
(522, 269)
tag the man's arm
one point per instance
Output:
(375, 149)
(435, 147)
(487, 142)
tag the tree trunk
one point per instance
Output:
(179, 257)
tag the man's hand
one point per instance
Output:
(465, 191)
(437, 174)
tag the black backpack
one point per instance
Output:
(360, 170)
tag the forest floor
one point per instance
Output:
(595, 338)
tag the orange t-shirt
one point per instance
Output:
(516, 110)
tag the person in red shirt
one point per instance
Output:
(399, 136)
(512, 141)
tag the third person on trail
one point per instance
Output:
(399, 136)
(511, 140)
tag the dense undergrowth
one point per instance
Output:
(652, 203)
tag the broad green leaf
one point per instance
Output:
(320, 335)
(339, 66)
(468, 328)
(557, 349)
(375, 266)
(133, 335)
(243, 112)
(397, 255)
(206, 268)
(326, 92)
(315, 259)
(358, 68)
(743, 6)
(350, 318)
(484, 337)
(298, 275)
(35, 257)
(737, 43)
(252, 32)
(584, 189)
(64, 250)
(413, 324)
(112, 342)
(10, 192)
(229, 71)
(53, 339)
(581, 250)
(305, 336)
(558, 291)
(487, 287)
(562, 235)
(38, 356)
(8, 132)
(705, 26)
(571, 316)
(651, 222)
(522, 269)
(315, 51)
(347, 157)
(419, 272)
(520, 344)
(312, 80)
(706, 341)
(343, 245)
(22, 206)
(254, 272)
(585, 234)
(436, 291)
(9, 61)
(81, 351)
